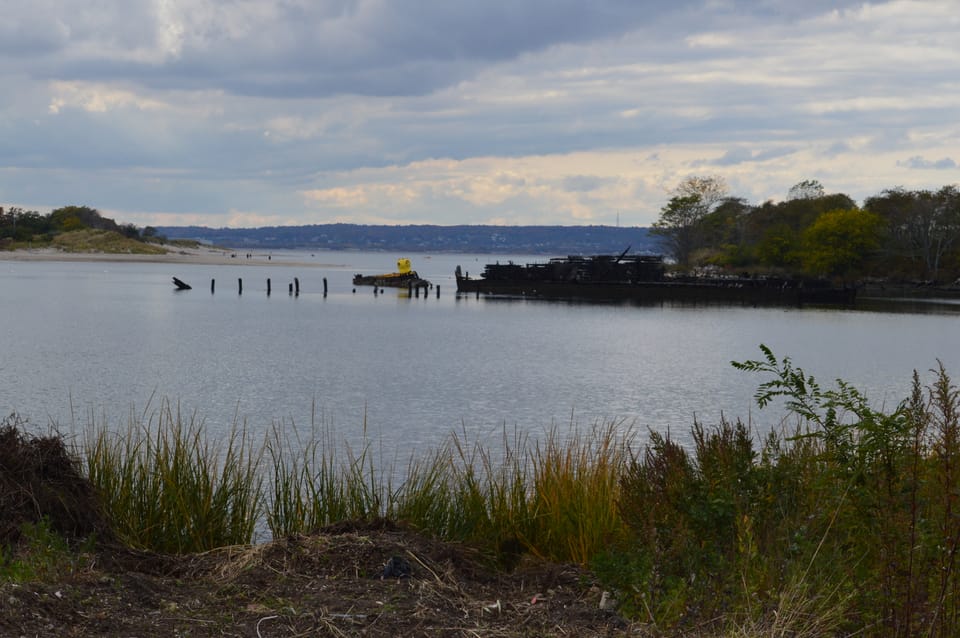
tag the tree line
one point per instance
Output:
(899, 233)
(20, 226)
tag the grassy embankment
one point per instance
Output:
(847, 521)
(100, 241)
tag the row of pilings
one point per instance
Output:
(293, 288)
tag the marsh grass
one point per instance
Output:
(317, 481)
(576, 484)
(555, 499)
(168, 487)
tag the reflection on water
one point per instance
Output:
(97, 341)
(929, 305)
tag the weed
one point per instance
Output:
(41, 555)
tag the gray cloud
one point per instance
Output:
(433, 111)
(745, 155)
(920, 163)
(299, 49)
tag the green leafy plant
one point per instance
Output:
(844, 522)
(42, 555)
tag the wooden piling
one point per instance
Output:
(290, 289)
(438, 292)
(240, 285)
(296, 286)
(325, 287)
(268, 286)
(213, 285)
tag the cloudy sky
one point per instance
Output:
(249, 113)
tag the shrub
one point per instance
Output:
(850, 518)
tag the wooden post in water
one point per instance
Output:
(268, 286)
(213, 284)
(290, 289)
(296, 286)
(240, 285)
(325, 287)
(438, 292)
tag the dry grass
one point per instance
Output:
(103, 241)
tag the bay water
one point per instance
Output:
(85, 342)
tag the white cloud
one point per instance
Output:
(98, 98)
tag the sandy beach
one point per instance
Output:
(174, 255)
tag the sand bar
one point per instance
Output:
(175, 255)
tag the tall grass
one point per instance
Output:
(167, 487)
(555, 499)
(311, 485)
(576, 485)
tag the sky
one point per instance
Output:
(249, 113)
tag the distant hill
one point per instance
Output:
(552, 240)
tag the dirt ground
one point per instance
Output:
(372, 579)
(329, 584)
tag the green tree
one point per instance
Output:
(681, 220)
(923, 225)
(711, 189)
(840, 240)
(22, 225)
(722, 233)
(75, 217)
(678, 226)
(779, 246)
(807, 189)
(129, 230)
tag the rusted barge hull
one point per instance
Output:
(654, 292)
(392, 280)
(403, 278)
(608, 278)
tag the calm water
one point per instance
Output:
(84, 341)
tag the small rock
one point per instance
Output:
(608, 602)
(396, 567)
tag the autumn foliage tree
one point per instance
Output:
(840, 240)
